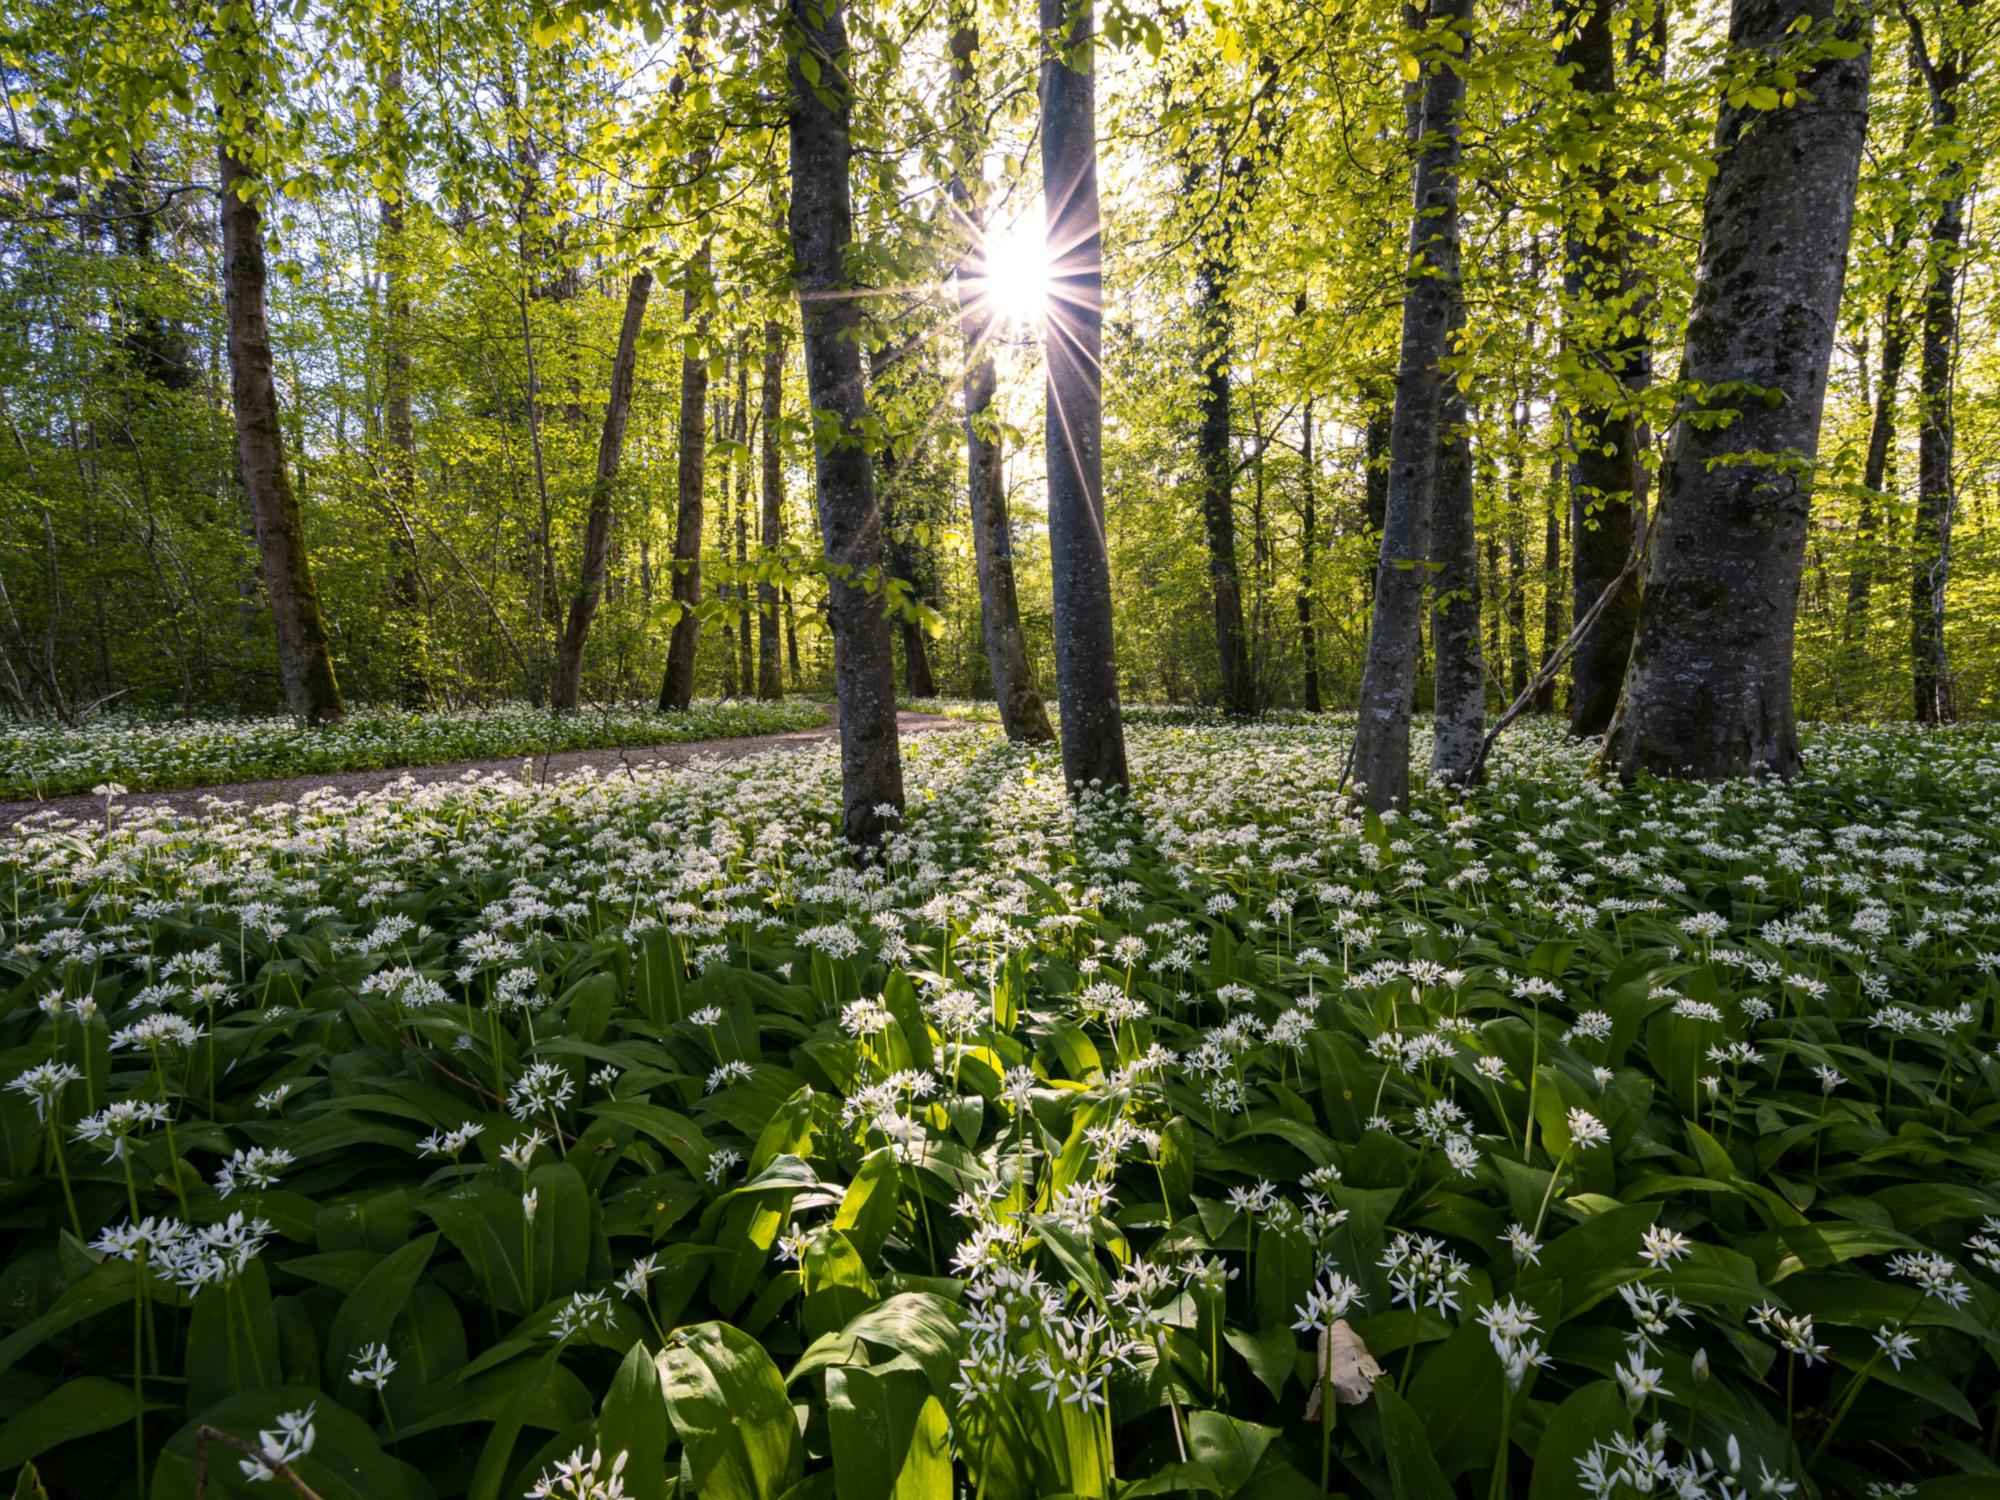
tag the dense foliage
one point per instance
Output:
(538, 154)
(623, 1137)
(146, 753)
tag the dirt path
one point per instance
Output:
(353, 783)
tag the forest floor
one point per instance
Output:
(195, 800)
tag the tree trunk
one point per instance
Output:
(1388, 683)
(1552, 593)
(746, 673)
(1216, 456)
(1937, 496)
(1093, 727)
(597, 529)
(1022, 715)
(305, 661)
(1875, 475)
(399, 429)
(1517, 579)
(1496, 635)
(822, 226)
(1459, 722)
(771, 527)
(1378, 398)
(1597, 286)
(1308, 561)
(1709, 689)
(690, 473)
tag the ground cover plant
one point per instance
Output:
(156, 752)
(627, 1137)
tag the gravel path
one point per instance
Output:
(550, 767)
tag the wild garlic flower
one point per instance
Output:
(544, 1088)
(372, 1366)
(1794, 1333)
(1586, 1131)
(44, 1084)
(1513, 1329)
(114, 1125)
(1422, 1270)
(1933, 1273)
(255, 1166)
(1329, 1300)
(288, 1442)
(580, 1478)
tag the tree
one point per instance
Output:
(771, 519)
(690, 474)
(1937, 496)
(1708, 692)
(1308, 555)
(305, 659)
(1389, 679)
(691, 452)
(1601, 294)
(399, 430)
(820, 90)
(1022, 715)
(1459, 722)
(1875, 469)
(1215, 268)
(568, 691)
(1093, 727)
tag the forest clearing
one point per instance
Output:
(836, 749)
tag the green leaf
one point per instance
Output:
(1229, 1447)
(1413, 1472)
(111, 1285)
(370, 1311)
(1589, 1416)
(232, 1340)
(75, 1409)
(890, 1436)
(867, 1209)
(634, 1421)
(496, 1456)
(731, 1413)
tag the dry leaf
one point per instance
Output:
(1344, 1359)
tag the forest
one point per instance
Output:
(707, 705)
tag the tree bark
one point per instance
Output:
(399, 429)
(1603, 428)
(1459, 720)
(822, 228)
(1937, 497)
(690, 474)
(1216, 456)
(1552, 594)
(1093, 727)
(305, 660)
(740, 464)
(1517, 581)
(1875, 473)
(597, 529)
(771, 527)
(1308, 560)
(1709, 689)
(690, 460)
(1022, 714)
(1388, 683)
